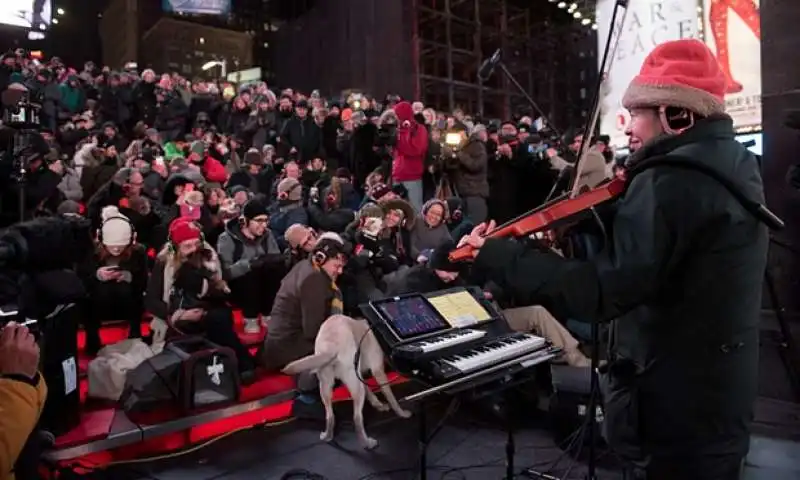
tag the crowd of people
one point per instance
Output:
(210, 197)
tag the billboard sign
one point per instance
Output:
(199, 7)
(732, 29)
(649, 23)
(26, 13)
(242, 76)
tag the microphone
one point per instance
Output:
(46, 243)
(487, 67)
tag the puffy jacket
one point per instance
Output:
(408, 163)
(214, 171)
(20, 407)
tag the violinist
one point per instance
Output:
(680, 278)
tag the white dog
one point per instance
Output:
(335, 352)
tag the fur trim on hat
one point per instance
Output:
(683, 96)
(409, 215)
(369, 210)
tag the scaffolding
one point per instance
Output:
(452, 38)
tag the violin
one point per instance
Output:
(550, 215)
(573, 204)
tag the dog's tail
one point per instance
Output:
(309, 363)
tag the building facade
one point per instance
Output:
(184, 47)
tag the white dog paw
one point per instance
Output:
(404, 413)
(326, 436)
(369, 443)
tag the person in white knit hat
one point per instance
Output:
(115, 277)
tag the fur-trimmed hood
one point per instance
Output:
(409, 214)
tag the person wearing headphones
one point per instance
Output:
(252, 262)
(308, 295)
(115, 278)
(680, 279)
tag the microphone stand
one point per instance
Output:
(20, 143)
(525, 94)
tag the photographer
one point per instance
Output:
(504, 172)
(409, 155)
(22, 393)
(468, 169)
(593, 169)
(40, 182)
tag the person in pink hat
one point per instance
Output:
(678, 277)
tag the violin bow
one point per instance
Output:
(609, 52)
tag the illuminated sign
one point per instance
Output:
(732, 29)
(649, 23)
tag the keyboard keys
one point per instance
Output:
(449, 340)
(494, 351)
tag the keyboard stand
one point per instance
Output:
(471, 381)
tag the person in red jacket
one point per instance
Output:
(408, 164)
(213, 171)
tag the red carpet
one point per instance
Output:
(98, 416)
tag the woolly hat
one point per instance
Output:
(331, 236)
(252, 157)
(290, 189)
(254, 208)
(379, 190)
(182, 230)
(116, 229)
(370, 210)
(435, 201)
(681, 73)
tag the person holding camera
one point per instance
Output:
(468, 168)
(22, 393)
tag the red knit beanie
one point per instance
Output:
(681, 73)
(183, 229)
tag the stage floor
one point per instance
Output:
(268, 454)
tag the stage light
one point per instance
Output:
(594, 26)
(562, 5)
(585, 21)
(573, 6)
(60, 11)
(43, 27)
(577, 15)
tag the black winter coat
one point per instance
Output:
(681, 282)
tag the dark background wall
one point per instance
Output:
(781, 92)
(360, 44)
